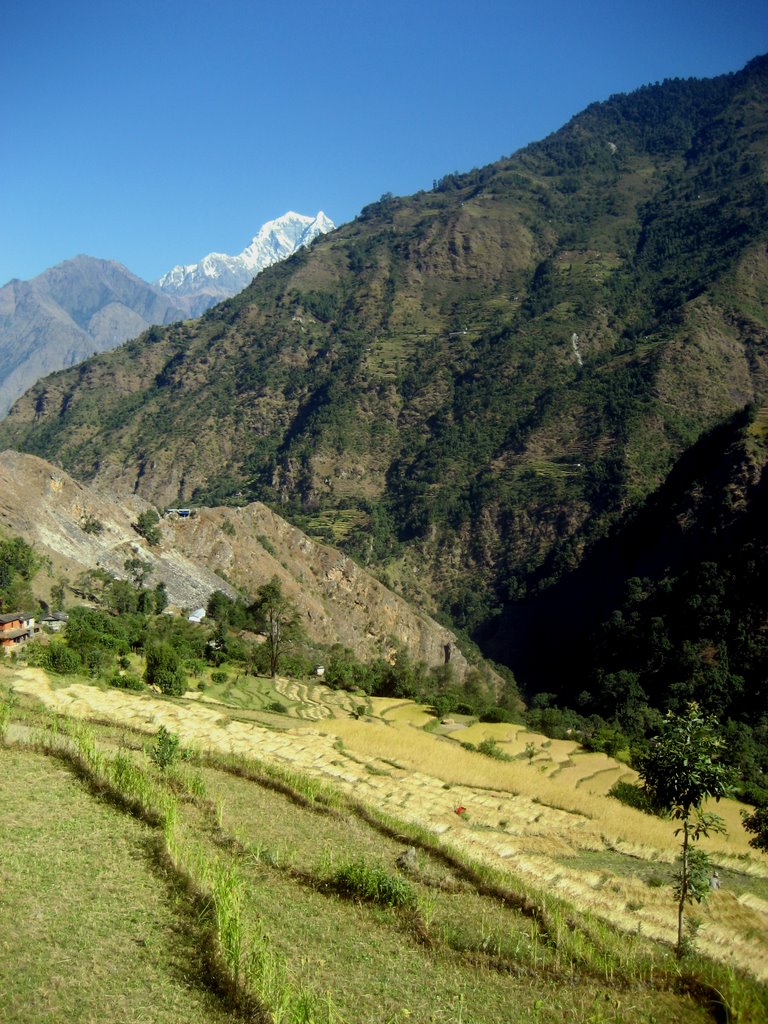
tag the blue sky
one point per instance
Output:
(155, 132)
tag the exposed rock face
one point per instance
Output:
(339, 602)
(49, 509)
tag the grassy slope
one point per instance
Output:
(462, 956)
(90, 929)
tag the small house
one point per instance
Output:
(54, 621)
(15, 628)
(197, 615)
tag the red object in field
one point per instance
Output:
(459, 809)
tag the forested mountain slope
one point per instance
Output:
(670, 607)
(467, 387)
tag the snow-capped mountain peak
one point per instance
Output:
(218, 276)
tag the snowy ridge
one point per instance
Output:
(218, 275)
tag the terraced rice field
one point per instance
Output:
(533, 822)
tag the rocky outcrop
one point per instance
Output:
(79, 530)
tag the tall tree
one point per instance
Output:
(164, 669)
(679, 772)
(757, 824)
(278, 618)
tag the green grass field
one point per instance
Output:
(211, 892)
(90, 928)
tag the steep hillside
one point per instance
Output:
(216, 549)
(468, 386)
(694, 553)
(670, 607)
(85, 305)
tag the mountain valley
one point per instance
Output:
(531, 400)
(480, 380)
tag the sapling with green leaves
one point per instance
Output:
(679, 772)
(166, 750)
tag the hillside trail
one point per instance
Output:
(507, 830)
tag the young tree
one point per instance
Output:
(58, 594)
(138, 570)
(679, 771)
(166, 750)
(161, 598)
(278, 617)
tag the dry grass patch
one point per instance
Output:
(386, 707)
(445, 761)
(584, 767)
(405, 713)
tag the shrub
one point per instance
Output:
(606, 739)
(491, 748)
(219, 677)
(267, 544)
(127, 681)
(497, 714)
(752, 793)
(34, 653)
(166, 750)
(93, 525)
(370, 882)
(148, 528)
(277, 707)
(164, 669)
(62, 659)
(756, 824)
(464, 709)
(633, 796)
